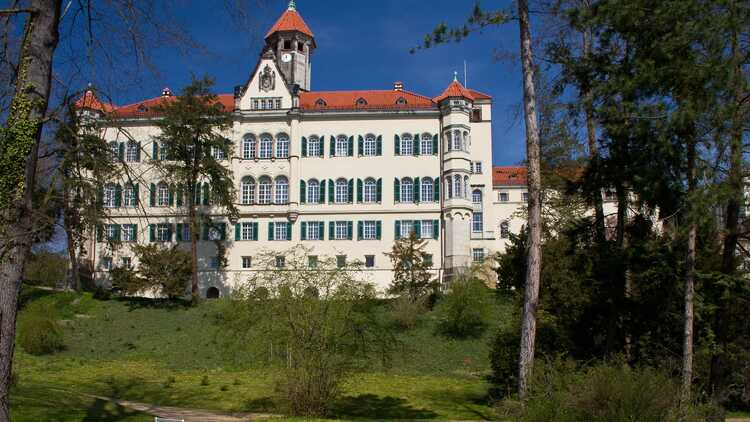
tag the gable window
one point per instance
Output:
(266, 146)
(342, 146)
(132, 152)
(162, 195)
(401, 101)
(264, 190)
(504, 230)
(369, 147)
(247, 190)
(407, 190)
(110, 195)
(313, 147)
(320, 103)
(342, 191)
(282, 190)
(361, 102)
(282, 146)
(248, 147)
(427, 190)
(407, 145)
(313, 191)
(370, 194)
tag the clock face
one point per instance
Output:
(286, 57)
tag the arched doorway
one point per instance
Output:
(212, 293)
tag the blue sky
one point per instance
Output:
(360, 45)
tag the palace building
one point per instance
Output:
(344, 173)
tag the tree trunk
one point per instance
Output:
(28, 109)
(70, 223)
(534, 258)
(687, 348)
(194, 235)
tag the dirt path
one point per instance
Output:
(189, 415)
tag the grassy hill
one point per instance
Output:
(168, 354)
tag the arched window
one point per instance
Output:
(313, 147)
(401, 101)
(248, 147)
(370, 194)
(247, 190)
(282, 190)
(266, 146)
(282, 146)
(162, 195)
(264, 190)
(457, 140)
(449, 186)
(110, 195)
(132, 152)
(407, 190)
(369, 147)
(425, 147)
(217, 153)
(130, 196)
(427, 190)
(476, 196)
(313, 191)
(457, 186)
(361, 102)
(342, 146)
(504, 230)
(407, 145)
(342, 191)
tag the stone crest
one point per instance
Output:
(267, 79)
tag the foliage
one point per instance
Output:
(465, 309)
(411, 269)
(161, 269)
(46, 269)
(39, 332)
(405, 313)
(478, 20)
(316, 321)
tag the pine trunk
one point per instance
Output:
(32, 86)
(687, 347)
(194, 234)
(533, 263)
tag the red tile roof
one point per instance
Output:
(144, 108)
(509, 176)
(290, 20)
(455, 89)
(90, 101)
(356, 100)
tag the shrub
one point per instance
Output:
(406, 313)
(166, 270)
(38, 332)
(466, 309)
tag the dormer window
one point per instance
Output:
(320, 103)
(142, 108)
(401, 101)
(361, 102)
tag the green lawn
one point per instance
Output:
(160, 354)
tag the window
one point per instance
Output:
(407, 226)
(477, 254)
(407, 145)
(248, 147)
(457, 186)
(255, 104)
(247, 231)
(476, 115)
(476, 196)
(504, 230)
(247, 191)
(407, 190)
(369, 146)
(280, 262)
(280, 231)
(312, 261)
(264, 190)
(466, 141)
(128, 232)
(502, 196)
(526, 196)
(111, 231)
(341, 261)
(609, 195)
(449, 186)
(106, 263)
(266, 146)
(401, 101)
(425, 228)
(114, 148)
(110, 195)
(132, 152)
(369, 230)
(313, 147)
(370, 194)
(477, 224)
(427, 192)
(185, 232)
(162, 195)
(130, 196)
(342, 146)
(320, 102)
(214, 233)
(425, 147)
(282, 190)
(477, 167)
(313, 230)
(125, 262)
(361, 102)
(282, 146)
(162, 233)
(214, 262)
(247, 261)
(427, 259)
(313, 191)
(162, 152)
(369, 261)
(342, 191)
(457, 140)
(277, 103)
(341, 230)
(218, 153)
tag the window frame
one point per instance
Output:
(266, 147)
(370, 191)
(427, 190)
(247, 190)
(341, 230)
(313, 191)
(282, 146)
(249, 147)
(281, 190)
(313, 146)
(246, 259)
(247, 230)
(477, 222)
(162, 195)
(406, 145)
(280, 231)
(341, 191)
(341, 144)
(426, 144)
(265, 190)
(131, 152)
(369, 230)
(407, 190)
(370, 146)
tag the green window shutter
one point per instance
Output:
(360, 145)
(151, 232)
(180, 192)
(288, 231)
(171, 196)
(351, 146)
(117, 232)
(396, 190)
(321, 229)
(349, 226)
(332, 141)
(178, 232)
(136, 194)
(154, 151)
(237, 231)
(206, 193)
(222, 231)
(255, 231)
(121, 151)
(197, 193)
(379, 186)
(378, 229)
(99, 233)
(322, 198)
(396, 145)
(304, 146)
(170, 229)
(138, 153)
(152, 196)
(397, 226)
(379, 145)
(321, 146)
(359, 190)
(435, 229)
(360, 229)
(416, 144)
(417, 227)
(303, 231)
(135, 232)
(351, 191)
(118, 195)
(331, 191)
(331, 230)
(435, 144)
(205, 231)
(302, 191)
(270, 231)
(416, 189)
(436, 188)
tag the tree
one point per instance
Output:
(46, 268)
(192, 137)
(411, 268)
(161, 270)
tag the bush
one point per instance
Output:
(166, 270)
(406, 313)
(39, 333)
(466, 309)
(46, 269)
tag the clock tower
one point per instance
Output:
(292, 42)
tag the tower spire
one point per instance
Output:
(292, 5)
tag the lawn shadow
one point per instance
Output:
(150, 303)
(476, 404)
(371, 406)
(105, 411)
(30, 293)
(266, 404)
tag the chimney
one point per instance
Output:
(398, 86)
(166, 92)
